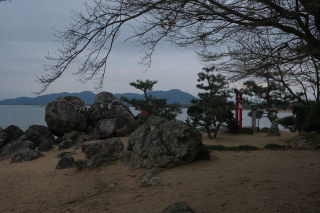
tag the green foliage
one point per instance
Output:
(273, 146)
(212, 107)
(289, 122)
(156, 107)
(305, 118)
(233, 127)
(273, 93)
(232, 148)
(80, 164)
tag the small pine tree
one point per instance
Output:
(212, 107)
(156, 107)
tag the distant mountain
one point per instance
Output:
(172, 96)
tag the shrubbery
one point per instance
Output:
(305, 118)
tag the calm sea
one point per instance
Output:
(24, 116)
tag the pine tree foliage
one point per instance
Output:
(212, 107)
(153, 106)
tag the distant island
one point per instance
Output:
(172, 96)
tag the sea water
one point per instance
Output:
(24, 116)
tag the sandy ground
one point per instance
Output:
(243, 181)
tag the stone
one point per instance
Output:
(62, 117)
(62, 154)
(44, 146)
(66, 162)
(73, 135)
(103, 153)
(36, 133)
(73, 148)
(58, 140)
(100, 159)
(105, 128)
(16, 145)
(161, 143)
(272, 115)
(16, 158)
(178, 207)
(107, 106)
(9, 132)
(66, 144)
(84, 138)
(26, 154)
(108, 147)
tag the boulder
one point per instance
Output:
(73, 135)
(16, 145)
(25, 154)
(161, 143)
(62, 116)
(66, 144)
(103, 153)
(101, 160)
(105, 128)
(44, 146)
(9, 133)
(58, 140)
(62, 154)
(111, 146)
(107, 106)
(178, 207)
(84, 138)
(65, 163)
(36, 134)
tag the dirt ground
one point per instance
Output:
(232, 181)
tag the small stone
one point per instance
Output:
(65, 163)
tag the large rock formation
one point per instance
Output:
(103, 153)
(10, 133)
(162, 143)
(62, 117)
(109, 117)
(38, 133)
(16, 145)
(25, 154)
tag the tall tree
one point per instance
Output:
(288, 27)
(153, 106)
(212, 107)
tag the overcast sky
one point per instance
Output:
(26, 37)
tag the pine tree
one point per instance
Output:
(212, 107)
(156, 107)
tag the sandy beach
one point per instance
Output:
(232, 181)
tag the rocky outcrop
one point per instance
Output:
(65, 163)
(25, 154)
(178, 207)
(63, 154)
(62, 117)
(105, 128)
(37, 133)
(16, 145)
(8, 134)
(83, 138)
(73, 135)
(66, 144)
(162, 143)
(44, 146)
(103, 153)
(107, 107)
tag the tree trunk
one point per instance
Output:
(208, 131)
(216, 132)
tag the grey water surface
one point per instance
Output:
(24, 116)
